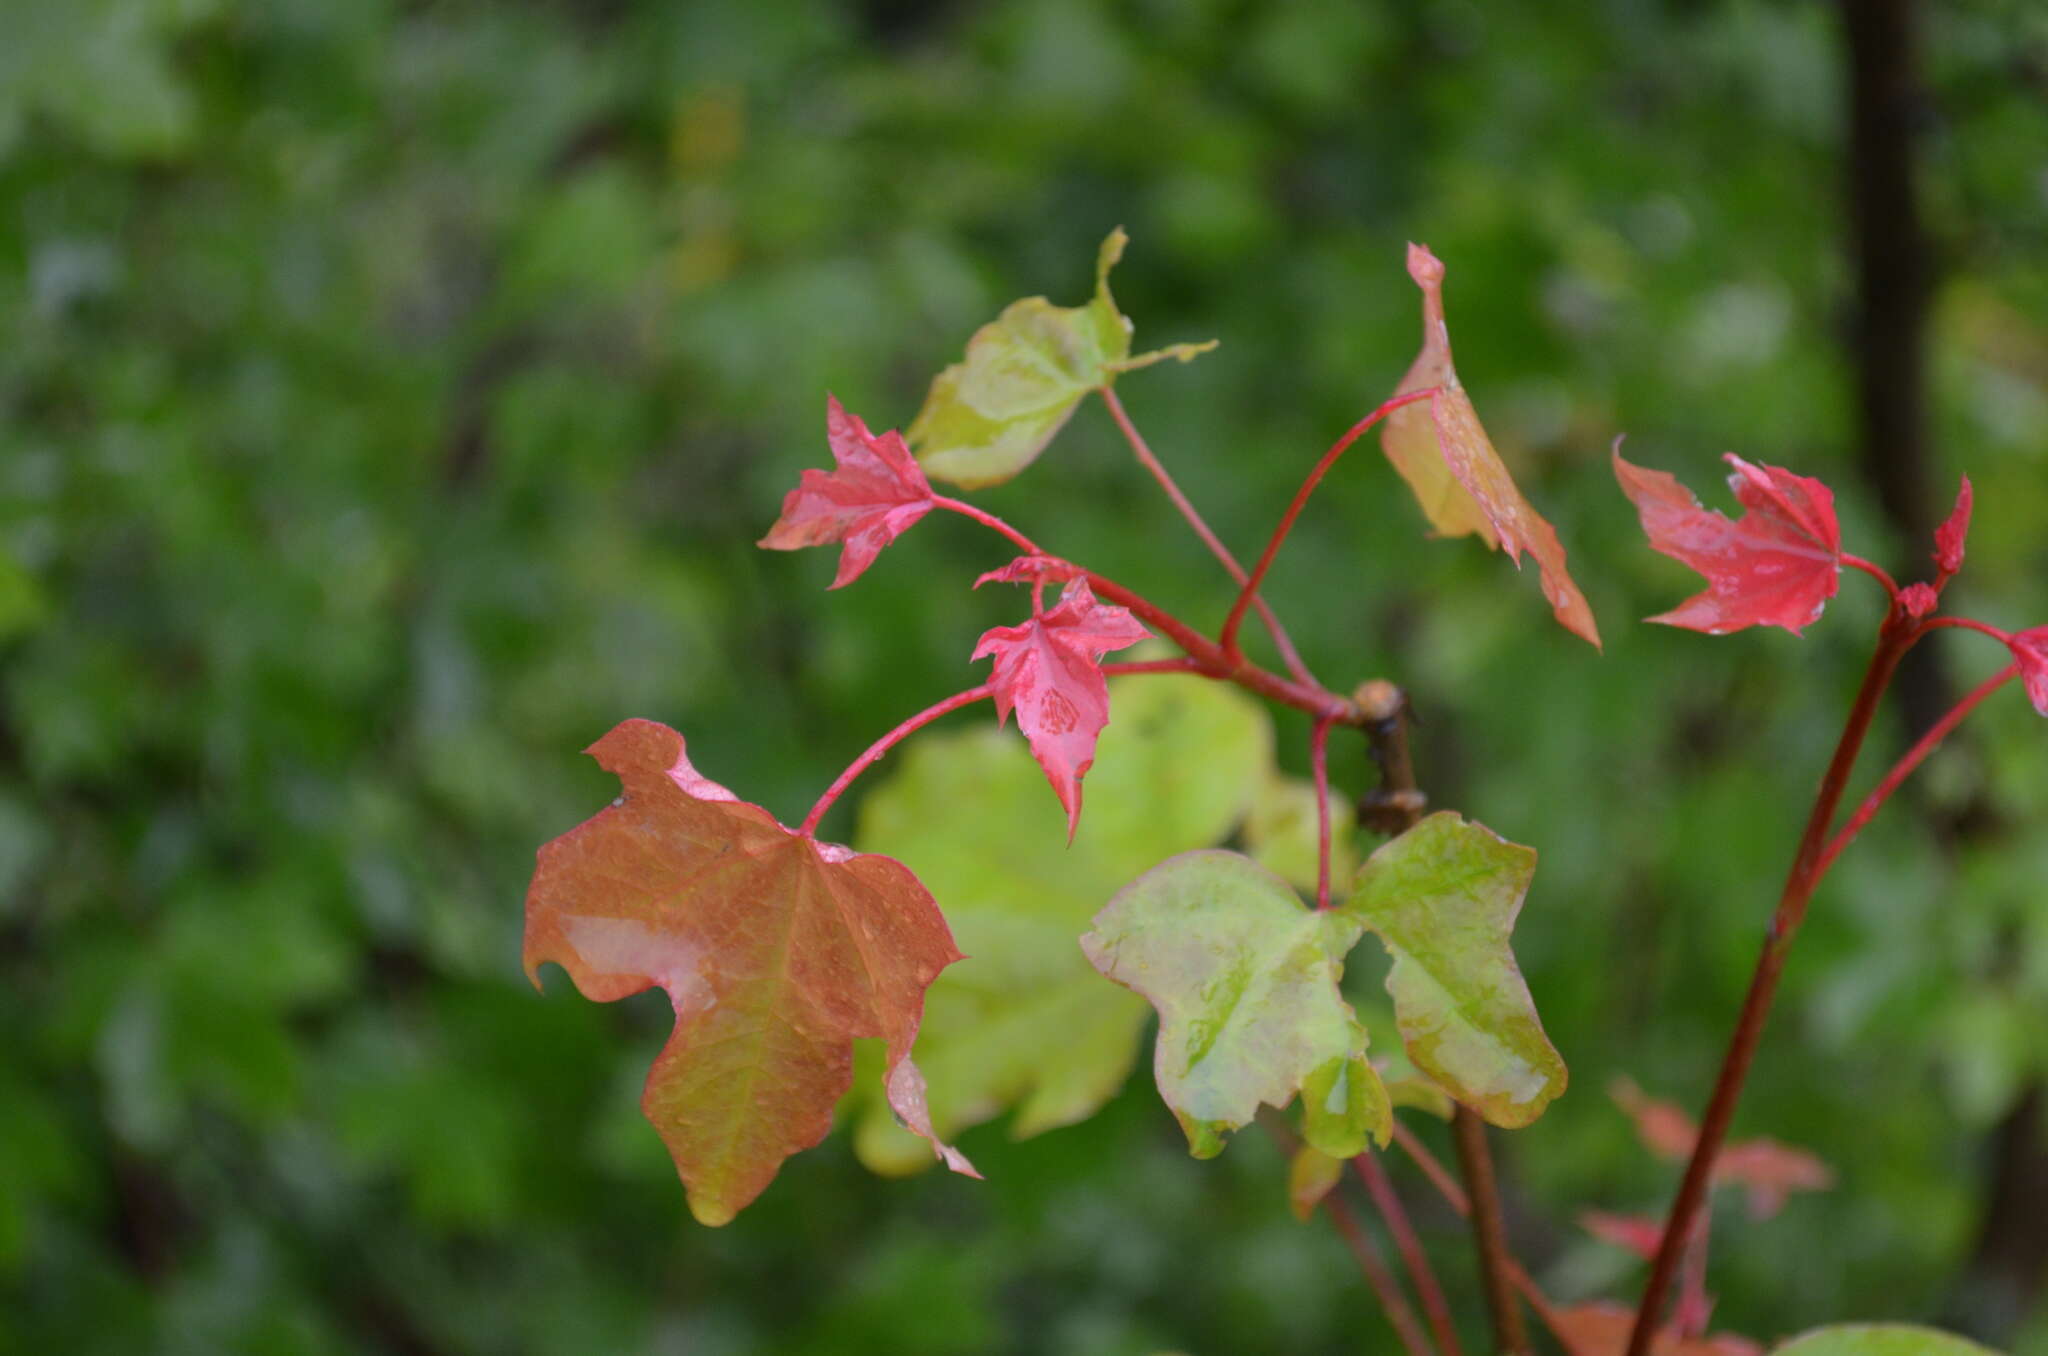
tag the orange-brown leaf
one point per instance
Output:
(776, 951)
(1449, 462)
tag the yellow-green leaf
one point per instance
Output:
(1443, 898)
(988, 416)
(1244, 977)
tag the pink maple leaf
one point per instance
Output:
(1637, 1233)
(1767, 1170)
(2030, 648)
(875, 494)
(1948, 538)
(1777, 565)
(1049, 672)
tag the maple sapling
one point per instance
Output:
(1777, 566)
(778, 950)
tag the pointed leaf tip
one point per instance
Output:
(1450, 464)
(1775, 566)
(1049, 671)
(776, 952)
(876, 493)
(2030, 651)
(1948, 538)
(1424, 267)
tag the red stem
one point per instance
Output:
(1454, 1196)
(1968, 624)
(1903, 769)
(1894, 639)
(809, 828)
(1874, 570)
(1369, 1171)
(1227, 637)
(1319, 763)
(1377, 1274)
(1439, 1176)
(1210, 661)
(1281, 641)
(1181, 665)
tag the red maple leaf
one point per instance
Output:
(775, 949)
(1948, 538)
(1601, 1328)
(2030, 648)
(1049, 672)
(1766, 1169)
(1775, 566)
(1639, 1234)
(873, 497)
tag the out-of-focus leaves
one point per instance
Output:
(1311, 1175)
(1280, 833)
(1244, 977)
(1878, 1339)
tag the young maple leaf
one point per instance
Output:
(1602, 1328)
(875, 494)
(776, 951)
(1049, 672)
(1766, 1169)
(2030, 649)
(1948, 538)
(1638, 1234)
(1449, 462)
(1775, 566)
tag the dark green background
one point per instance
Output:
(391, 393)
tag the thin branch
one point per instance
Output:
(1143, 451)
(1369, 1171)
(1212, 662)
(1894, 639)
(1874, 570)
(809, 829)
(1386, 708)
(1319, 764)
(1227, 637)
(1903, 769)
(1378, 1275)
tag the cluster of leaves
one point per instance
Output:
(778, 952)
(779, 970)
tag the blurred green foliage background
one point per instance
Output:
(391, 394)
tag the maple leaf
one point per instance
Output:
(1244, 977)
(1948, 538)
(1638, 1234)
(1879, 1339)
(1766, 1169)
(1601, 1328)
(872, 498)
(1775, 566)
(1443, 898)
(1049, 671)
(1449, 462)
(2030, 649)
(776, 951)
(988, 416)
(1026, 1022)
(1311, 1175)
